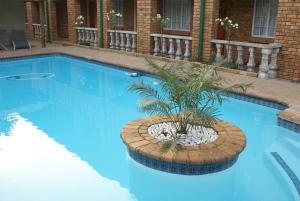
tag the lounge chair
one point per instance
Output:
(19, 40)
(2, 46)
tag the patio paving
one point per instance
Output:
(278, 90)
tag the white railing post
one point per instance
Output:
(112, 40)
(117, 40)
(95, 37)
(163, 47)
(218, 58)
(122, 46)
(156, 46)
(178, 49)
(133, 46)
(187, 53)
(273, 65)
(264, 64)
(239, 60)
(128, 44)
(251, 61)
(171, 48)
(229, 52)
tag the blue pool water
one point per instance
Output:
(60, 123)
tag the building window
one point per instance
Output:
(118, 7)
(179, 13)
(264, 20)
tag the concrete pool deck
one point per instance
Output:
(282, 91)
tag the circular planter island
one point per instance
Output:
(199, 159)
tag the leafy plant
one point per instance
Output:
(187, 96)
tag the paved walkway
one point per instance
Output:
(279, 90)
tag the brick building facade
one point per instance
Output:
(261, 22)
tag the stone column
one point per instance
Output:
(106, 25)
(73, 7)
(29, 19)
(52, 20)
(146, 11)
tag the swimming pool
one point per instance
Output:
(60, 123)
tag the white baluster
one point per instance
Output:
(264, 64)
(187, 53)
(78, 36)
(112, 40)
(95, 38)
(81, 35)
(178, 51)
(251, 62)
(117, 40)
(133, 46)
(156, 46)
(128, 44)
(171, 48)
(122, 46)
(273, 65)
(229, 53)
(218, 58)
(163, 47)
(239, 61)
(88, 36)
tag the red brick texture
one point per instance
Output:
(288, 34)
(287, 31)
(73, 7)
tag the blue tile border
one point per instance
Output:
(288, 125)
(260, 101)
(256, 100)
(180, 168)
(288, 171)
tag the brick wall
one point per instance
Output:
(29, 20)
(210, 28)
(73, 8)
(288, 34)
(53, 20)
(146, 11)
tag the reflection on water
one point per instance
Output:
(35, 167)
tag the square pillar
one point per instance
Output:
(29, 19)
(73, 7)
(52, 20)
(146, 11)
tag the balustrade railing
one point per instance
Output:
(172, 46)
(37, 30)
(122, 40)
(87, 36)
(268, 61)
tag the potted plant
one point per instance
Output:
(112, 17)
(162, 22)
(80, 24)
(188, 95)
(229, 26)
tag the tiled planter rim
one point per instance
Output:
(215, 156)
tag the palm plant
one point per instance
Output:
(187, 96)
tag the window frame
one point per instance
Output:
(190, 18)
(253, 22)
